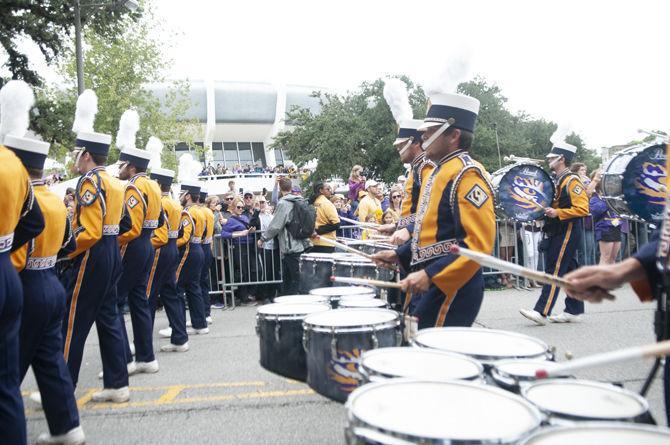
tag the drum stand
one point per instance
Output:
(662, 329)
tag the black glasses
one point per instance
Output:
(262, 202)
(395, 196)
(228, 199)
(239, 207)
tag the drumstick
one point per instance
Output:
(378, 237)
(365, 281)
(343, 247)
(506, 266)
(646, 351)
(360, 223)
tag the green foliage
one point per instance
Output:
(50, 25)
(119, 71)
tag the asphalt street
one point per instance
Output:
(218, 393)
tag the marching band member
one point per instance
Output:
(41, 341)
(90, 282)
(563, 234)
(143, 205)
(163, 277)
(191, 256)
(22, 221)
(207, 235)
(456, 206)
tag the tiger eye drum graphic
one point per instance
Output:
(523, 191)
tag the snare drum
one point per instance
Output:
(334, 342)
(634, 182)
(372, 248)
(565, 401)
(358, 267)
(523, 191)
(279, 328)
(335, 293)
(415, 363)
(315, 270)
(601, 432)
(302, 299)
(365, 301)
(512, 375)
(431, 412)
(486, 345)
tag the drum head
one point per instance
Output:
(644, 182)
(317, 257)
(606, 433)
(424, 364)
(341, 291)
(570, 397)
(523, 369)
(343, 318)
(482, 344)
(524, 191)
(301, 299)
(363, 302)
(283, 309)
(443, 410)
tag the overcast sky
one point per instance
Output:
(600, 67)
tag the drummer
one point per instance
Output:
(455, 206)
(563, 234)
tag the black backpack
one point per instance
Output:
(303, 220)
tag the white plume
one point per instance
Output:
(454, 71)
(395, 93)
(128, 127)
(189, 168)
(87, 108)
(16, 100)
(558, 138)
(155, 147)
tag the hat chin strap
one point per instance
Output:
(553, 162)
(437, 134)
(407, 145)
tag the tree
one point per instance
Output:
(355, 128)
(120, 71)
(50, 25)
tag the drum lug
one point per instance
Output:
(277, 327)
(333, 345)
(258, 328)
(305, 340)
(375, 340)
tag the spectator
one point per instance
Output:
(327, 219)
(231, 187)
(270, 258)
(607, 225)
(225, 206)
(69, 201)
(250, 210)
(390, 216)
(240, 232)
(369, 204)
(507, 240)
(396, 199)
(267, 195)
(531, 235)
(384, 199)
(586, 251)
(296, 190)
(289, 247)
(356, 184)
(212, 202)
(344, 210)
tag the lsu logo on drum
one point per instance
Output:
(652, 183)
(343, 369)
(528, 193)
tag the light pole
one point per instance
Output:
(131, 5)
(495, 128)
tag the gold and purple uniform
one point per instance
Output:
(190, 264)
(455, 207)
(419, 170)
(205, 285)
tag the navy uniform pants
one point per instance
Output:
(433, 308)
(188, 282)
(12, 419)
(561, 258)
(42, 348)
(132, 287)
(90, 286)
(205, 285)
(163, 282)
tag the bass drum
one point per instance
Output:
(634, 182)
(523, 191)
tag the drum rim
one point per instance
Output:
(354, 261)
(496, 372)
(365, 370)
(307, 326)
(485, 358)
(289, 316)
(368, 290)
(321, 298)
(358, 392)
(549, 430)
(584, 382)
(343, 304)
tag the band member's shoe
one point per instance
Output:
(114, 395)
(533, 316)
(146, 367)
(565, 317)
(73, 437)
(193, 331)
(36, 397)
(132, 369)
(175, 348)
(165, 333)
(209, 320)
(132, 349)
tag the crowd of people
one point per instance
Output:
(221, 169)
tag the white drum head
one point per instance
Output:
(585, 399)
(283, 309)
(443, 410)
(604, 433)
(301, 299)
(362, 302)
(424, 364)
(342, 318)
(524, 369)
(483, 344)
(341, 291)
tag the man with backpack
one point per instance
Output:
(293, 224)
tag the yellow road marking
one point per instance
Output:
(83, 400)
(170, 395)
